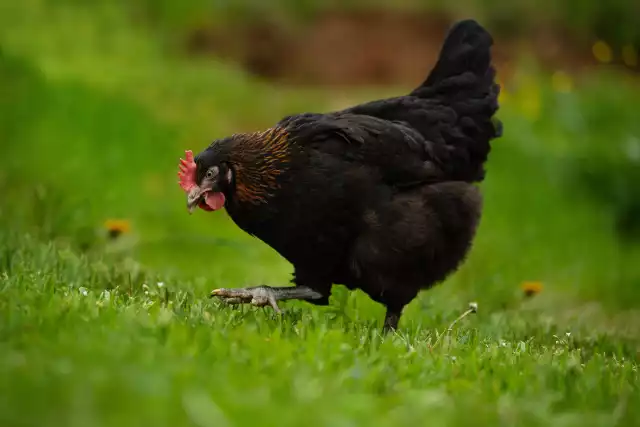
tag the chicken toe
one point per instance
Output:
(262, 296)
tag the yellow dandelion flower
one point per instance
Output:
(116, 227)
(531, 288)
(630, 56)
(602, 52)
(561, 82)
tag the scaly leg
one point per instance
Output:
(261, 296)
(391, 319)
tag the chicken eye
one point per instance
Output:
(210, 174)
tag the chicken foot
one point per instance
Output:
(261, 296)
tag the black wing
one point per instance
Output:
(401, 154)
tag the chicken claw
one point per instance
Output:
(260, 296)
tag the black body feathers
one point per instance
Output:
(379, 196)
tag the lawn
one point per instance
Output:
(97, 331)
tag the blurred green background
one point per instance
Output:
(98, 100)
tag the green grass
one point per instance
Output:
(79, 355)
(92, 125)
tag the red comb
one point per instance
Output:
(187, 172)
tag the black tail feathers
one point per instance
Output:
(466, 49)
(464, 72)
(463, 79)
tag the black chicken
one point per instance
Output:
(378, 197)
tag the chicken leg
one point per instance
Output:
(261, 296)
(391, 320)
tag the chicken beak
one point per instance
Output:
(193, 198)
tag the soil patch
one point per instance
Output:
(370, 48)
